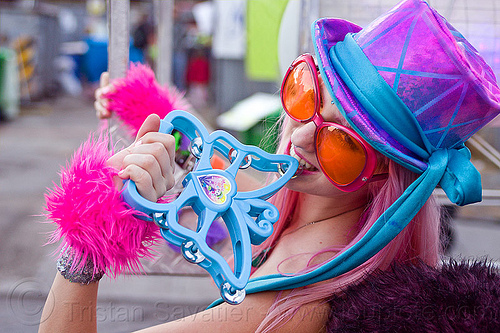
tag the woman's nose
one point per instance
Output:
(303, 136)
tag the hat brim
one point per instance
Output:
(326, 33)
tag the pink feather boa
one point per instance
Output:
(138, 95)
(91, 217)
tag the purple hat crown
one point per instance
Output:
(434, 70)
(430, 66)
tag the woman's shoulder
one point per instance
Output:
(248, 316)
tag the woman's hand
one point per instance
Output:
(101, 104)
(149, 161)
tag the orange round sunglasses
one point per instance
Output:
(344, 156)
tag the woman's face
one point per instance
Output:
(299, 143)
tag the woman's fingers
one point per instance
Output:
(142, 179)
(104, 79)
(151, 124)
(101, 104)
(149, 161)
(145, 171)
(101, 111)
(160, 145)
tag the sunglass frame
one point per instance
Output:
(366, 175)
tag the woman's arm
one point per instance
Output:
(70, 307)
(247, 317)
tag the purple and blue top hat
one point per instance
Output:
(416, 90)
(411, 85)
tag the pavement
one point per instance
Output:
(32, 149)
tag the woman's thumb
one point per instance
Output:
(151, 124)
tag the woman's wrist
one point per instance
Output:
(77, 271)
(87, 208)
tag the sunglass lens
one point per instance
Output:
(341, 156)
(298, 93)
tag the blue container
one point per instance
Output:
(95, 60)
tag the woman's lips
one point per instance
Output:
(304, 165)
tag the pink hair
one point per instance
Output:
(419, 241)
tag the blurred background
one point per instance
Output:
(228, 58)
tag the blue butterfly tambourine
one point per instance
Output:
(213, 194)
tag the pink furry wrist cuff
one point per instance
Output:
(91, 217)
(138, 95)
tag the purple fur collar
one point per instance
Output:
(458, 297)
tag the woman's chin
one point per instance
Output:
(305, 180)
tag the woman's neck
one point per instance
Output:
(318, 223)
(311, 209)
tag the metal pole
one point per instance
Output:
(119, 41)
(165, 28)
(309, 13)
(118, 19)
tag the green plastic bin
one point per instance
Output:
(254, 120)
(9, 84)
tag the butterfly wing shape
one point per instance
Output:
(212, 194)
